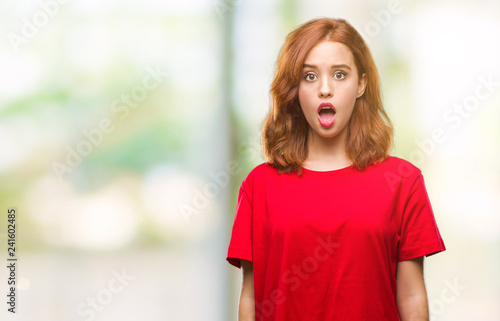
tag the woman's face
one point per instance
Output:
(329, 88)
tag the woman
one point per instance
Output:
(331, 227)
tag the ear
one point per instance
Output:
(361, 85)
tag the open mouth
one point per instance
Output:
(326, 114)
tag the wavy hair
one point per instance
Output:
(284, 134)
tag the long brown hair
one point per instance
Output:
(284, 134)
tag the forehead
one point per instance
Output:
(329, 53)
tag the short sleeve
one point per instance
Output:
(240, 245)
(419, 231)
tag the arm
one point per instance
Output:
(411, 295)
(246, 309)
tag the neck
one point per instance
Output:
(326, 153)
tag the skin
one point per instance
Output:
(411, 295)
(340, 86)
(326, 151)
(246, 308)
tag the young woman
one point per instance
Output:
(331, 227)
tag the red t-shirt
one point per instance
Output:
(325, 245)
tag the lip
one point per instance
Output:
(326, 104)
(328, 123)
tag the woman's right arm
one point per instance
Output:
(246, 309)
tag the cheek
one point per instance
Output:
(304, 97)
(348, 94)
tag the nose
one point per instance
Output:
(325, 90)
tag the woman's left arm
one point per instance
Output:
(411, 295)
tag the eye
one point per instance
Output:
(310, 76)
(339, 75)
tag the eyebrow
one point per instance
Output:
(333, 66)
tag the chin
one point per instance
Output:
(330, 132)
(327, 132)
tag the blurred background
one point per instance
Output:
(126, 128)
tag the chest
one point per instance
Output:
(330, 207)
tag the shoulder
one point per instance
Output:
(263, 169)
(260, 172)
(397, 172)
(258, 177)
(399, 167)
